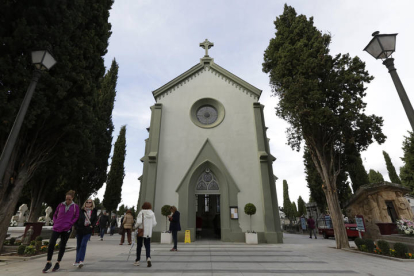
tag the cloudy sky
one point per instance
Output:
(154, 41)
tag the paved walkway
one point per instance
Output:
(299, 255)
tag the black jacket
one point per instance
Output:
(80, 224)
(175, 222)
(104, 221)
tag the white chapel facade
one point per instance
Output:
(208, 155)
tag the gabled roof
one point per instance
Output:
(207, 63)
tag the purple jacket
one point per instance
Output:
(62, 221)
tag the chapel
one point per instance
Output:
(208, 154)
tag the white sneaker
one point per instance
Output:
(76, 264)
(136, 263)
(80, 264)
(149, 262)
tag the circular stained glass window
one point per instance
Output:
(207, 114)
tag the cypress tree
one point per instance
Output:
(61, 110)
(375, 176)
(355, 167)
(287, 204)
(294, 210)
(314, 182)
(301, 207)
(112, 196)
(321, 97)
(391, 169)
(407, 171)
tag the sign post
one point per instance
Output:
(359, 219)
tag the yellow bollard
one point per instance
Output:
(187, 237)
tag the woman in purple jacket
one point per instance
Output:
(66, 214)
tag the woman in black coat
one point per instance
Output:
(84, 226)
(174, 225)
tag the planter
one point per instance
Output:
(166, 238)
(387, 228)
(251, 238)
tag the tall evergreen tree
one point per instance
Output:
(301, 207)
(287, 204)
(407, 171)
(61, 108)
(321, 97)
(391, 169)
(314, 182)
(375, 176)
(294, 210)
(112, 196)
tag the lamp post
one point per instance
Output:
(42, 60)
(382, 46)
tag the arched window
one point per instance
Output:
(207, 181)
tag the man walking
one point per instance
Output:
(311, 226)
(103, 224)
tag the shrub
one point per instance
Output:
(250, 209)
(38, 245)
(33, 243)
(43, 248)
(384, 246)
(18, 242)
(359, 242)
(6, 242)
(370, 245)
(21, 249)
(165, 211)
(12, 241)
(45, 243)
(400, 249)
(30, 250)
(57, 246)
(39, 238)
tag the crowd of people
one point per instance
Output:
(85, 218)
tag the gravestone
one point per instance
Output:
(22, 218)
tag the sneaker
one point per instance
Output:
(80, 264)
(136, 263)
(101, 239)
(47, 268)
(315, 238)
(76, 264)
(149, 262)
(56, 267)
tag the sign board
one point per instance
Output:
(328, 222)
(359, 219)
(234, 212)
(303, 223)
(187, 236)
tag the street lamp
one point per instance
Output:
(382, 46)
(42, 60)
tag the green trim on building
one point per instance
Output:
(271, 218)
(149, 175)
(208, 158)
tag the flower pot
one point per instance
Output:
(166, 238)
(251, 238)
(387, 228)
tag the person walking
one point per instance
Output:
(127, 224)
(174, 225)
(103, 224)
(112, 225)
(145, 220)
(65, 216)
(87, 219)
(311, 226)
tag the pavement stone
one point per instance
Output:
(298, 255)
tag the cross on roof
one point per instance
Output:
(206, 45)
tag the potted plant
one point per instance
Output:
(166, 236)
(251, 236)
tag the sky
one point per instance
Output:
(154, 41)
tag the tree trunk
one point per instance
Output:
(37, 198)
(9, 199)
(341, 237)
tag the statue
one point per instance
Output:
(22, 211)
(28, 236)
(403, 206)
(47, 217)
(384, 217)
(371, 209)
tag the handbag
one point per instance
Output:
(141, 231)
(121, 229)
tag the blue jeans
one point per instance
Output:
(147, 243)
(174, 236)
(82, 241)
(102, 232)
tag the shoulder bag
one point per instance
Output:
(141, 231)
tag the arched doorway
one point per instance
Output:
(208, 207)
